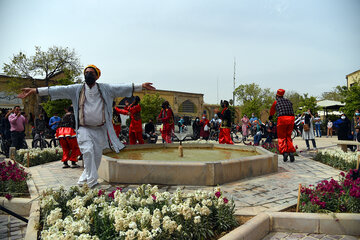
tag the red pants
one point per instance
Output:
(70, 149)
(166, 135)
(224, 136)
(135, 136)
(285, 125)
(117, 129)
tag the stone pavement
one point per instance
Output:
(306, 236)
(271, 192)
(11, 228)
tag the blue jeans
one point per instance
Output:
(257, 139)
(317, 130)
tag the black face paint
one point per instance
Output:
(89, 78)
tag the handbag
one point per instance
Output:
(206, 128)
(306, 127)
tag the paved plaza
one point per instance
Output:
(306, 236)
(272, 192)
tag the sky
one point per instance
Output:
(190, 45)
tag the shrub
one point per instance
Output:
(13, 179)
(144, 213)
(38, 156)
(333, 196)
(338, 158)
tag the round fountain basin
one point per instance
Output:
(202, 164)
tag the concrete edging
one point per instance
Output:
(264, 223)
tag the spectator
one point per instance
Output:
(54, 123)
(17, 127)
(355, 122)
(205, 128)
(196, 128)
(343, 126)
(308, 129)
(270, 132)
(258, 133)
(244, 127)
(317, 121)
(150, 132)
(329, 128)
(181, 124)
(40, 124)
(253, 118)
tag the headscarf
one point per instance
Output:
(97, 70)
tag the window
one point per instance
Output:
(188, 107)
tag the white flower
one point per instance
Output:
(53, 216)
(155, 222)
(197, 219)
(133, 225)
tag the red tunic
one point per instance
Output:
(135, 125)
(167, 118)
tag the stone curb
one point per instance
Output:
(34, 219)
(264, 223)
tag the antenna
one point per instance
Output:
(234, 82)
(217, 90)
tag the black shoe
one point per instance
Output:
(66, 165)
(285, 155)
(292, 157)
(74, 165)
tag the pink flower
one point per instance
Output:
(153, 197)
(218, 194)
(225, 200)
(8, 196)
(101, 192)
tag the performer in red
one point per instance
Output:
(167, 118)
(116, 120)
(226, 121)
(135, 129)
(285, 124)
(67, 138)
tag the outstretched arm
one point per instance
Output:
(27, 92)
(148, 86)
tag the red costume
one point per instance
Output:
(135, 129)
(285, 122)
(67, 138)
(116, 122)
(204, 122)
(167, 118)
(225, 129)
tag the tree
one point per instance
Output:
(253, 99)
(351, 99)
(294, 98)
(150, 107)
(306, 103)
(56, 66)
(42, 66)
(336, 94)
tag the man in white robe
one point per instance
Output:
(92, 104)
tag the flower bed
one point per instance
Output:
(338, 158)
(13, 180)
(38, 156)
(333, 196)
(144, 213)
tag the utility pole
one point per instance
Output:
(217, 90)
(234, 82)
